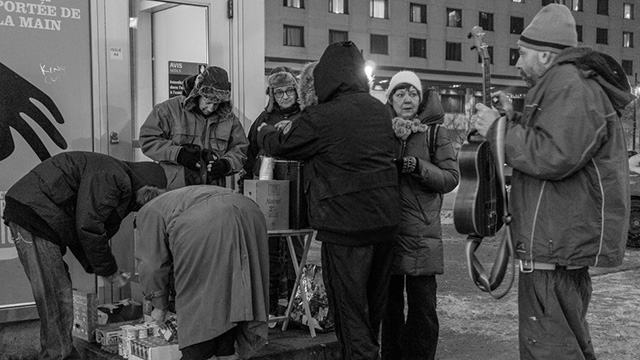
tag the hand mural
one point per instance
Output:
(15, 102)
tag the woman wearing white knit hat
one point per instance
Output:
(418, 252)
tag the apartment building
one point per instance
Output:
(431, 38)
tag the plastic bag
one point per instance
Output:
(313, 284)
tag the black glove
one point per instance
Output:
(407, 165)
(189, 157)
(219, 168)
(191, 177)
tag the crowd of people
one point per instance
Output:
(374, 176)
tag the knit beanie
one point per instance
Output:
(552, 29)
(404, 77)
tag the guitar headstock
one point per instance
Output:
(478, 33)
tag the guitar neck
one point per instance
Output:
(486, 85)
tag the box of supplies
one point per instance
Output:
(85, 315)
(272, 196)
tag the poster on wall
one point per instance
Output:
(45, 103)
(180, 70)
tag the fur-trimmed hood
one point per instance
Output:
(306, 90)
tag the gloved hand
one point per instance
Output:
(189, 157)
(218, 168)
(407, 165)
(119, 278)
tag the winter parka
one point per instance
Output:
(78, 200)
(419, 250)
(570, 186)
(348, 146)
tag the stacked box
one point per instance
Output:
(272, 196)
(154, 348)
(85, 315)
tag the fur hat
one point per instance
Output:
(404, 77)
(280, 76)
(306, 87)
(552, 29)
(212, 84)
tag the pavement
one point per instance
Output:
(472, 324)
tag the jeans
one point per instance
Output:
(552, 309)
(357, 280)
(417, 336)
(51, 286)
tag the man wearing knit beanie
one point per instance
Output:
(73, 200)
(570, 209)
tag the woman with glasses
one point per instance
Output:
(196, 137)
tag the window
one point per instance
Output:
(579, 32)
(454, 17)
(339, 6)
(418, 48)
(452, 103)
(294, 3)
(490, 51)
(547, 2)
(514, 55)
(627, 66)
(518, 1)
(517, 25)
(338, 36)
(603, 7)
(379, 44)
(602, 36)
(628, 11)
(627, 39)
(576, 5)
(293, 36)
(485, 21)
(418, 13)
(379, 9)
(453, 51)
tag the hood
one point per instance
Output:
(340, 70)
(145, 173)
(605, 70)
(212, 83)
(306, 89)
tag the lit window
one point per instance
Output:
(576, 5)
(518, 1)
(294, 3)
(453, 51)
(454, 17)
(602, 36)
(628, 11)
(627, 39)
(603, 7)
(338, 36)
(486, 21)
(293, 36)
(418, 13)
(339, 6)
(417, 48)
(379, 9)
(379, 44)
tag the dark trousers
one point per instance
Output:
(357, 280)
(552, 309)
(417, 336)
(51, 285)
(223, 345)
(282, 275)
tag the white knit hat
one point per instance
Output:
(404, 77)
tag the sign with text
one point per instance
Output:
(180, 70)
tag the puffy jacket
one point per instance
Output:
(171, 124)
(348, 146)
(570, 186)
(419, 249)
(252, 167)
(78, 200)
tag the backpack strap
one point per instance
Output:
(432, 136)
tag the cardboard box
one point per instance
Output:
(154, 348)
(85, 315)
(272, 196)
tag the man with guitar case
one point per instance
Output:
(569, 198)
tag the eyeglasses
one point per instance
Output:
(279, 93)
